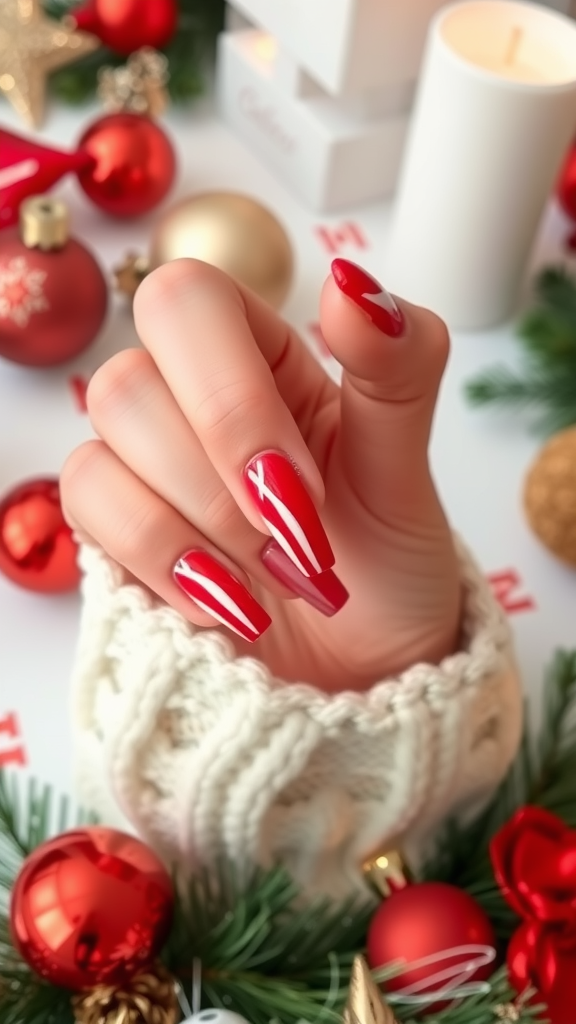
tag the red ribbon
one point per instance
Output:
(534, 861)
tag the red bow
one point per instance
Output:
(534, 861)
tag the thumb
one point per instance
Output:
(393, 355)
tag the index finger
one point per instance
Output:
(228, 361)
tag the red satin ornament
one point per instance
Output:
(27, 169)
(127, 25)
(435, 920)
(91, 906)
(52, 303)
(566, 187)
(37, 550)
(534, 861)
(133, 164)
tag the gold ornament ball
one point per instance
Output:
(233, 232)
(550, 495)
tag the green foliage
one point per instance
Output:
(544, 774)
(548, 335)
(268, 956)
(190, 53)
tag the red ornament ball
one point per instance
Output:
(133, 165)
(126, 25)
(566, 187)
(52, 303)
(429, 920)
(91, 906)
(37, 550)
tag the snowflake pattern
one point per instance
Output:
(21, 291)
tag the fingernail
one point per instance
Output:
(366, 292)
(324, 592)
(287, 510)
(214, 589)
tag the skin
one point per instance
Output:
(220, 378)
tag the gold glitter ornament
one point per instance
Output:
(365, 1003)
(550, 495)
(31, 46)
(129, 274)
(507, 1012)
(233, 232)
(138, 86)
(149, 998)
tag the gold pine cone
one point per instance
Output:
(148, 998)
(550, 495)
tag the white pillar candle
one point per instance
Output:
(495, 111)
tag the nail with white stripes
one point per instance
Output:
(216, 591)
(288, 512)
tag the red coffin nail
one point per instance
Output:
(214, 589)
(365, 291)
(288, 512)
(324, 592)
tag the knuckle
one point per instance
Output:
(174, 282)
(79, 463)
(136, 533)
(224, 415)
(117, 384)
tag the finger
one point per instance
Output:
(193, 320)
(156, 544)
(393, 355)
(133, 411)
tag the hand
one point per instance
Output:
(222, 380)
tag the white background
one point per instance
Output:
(479, 458)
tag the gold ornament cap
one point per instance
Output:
(387, 872)
(44, 223)
(365, 1003)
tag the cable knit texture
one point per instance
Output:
(204, 753)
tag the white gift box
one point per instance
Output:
(330, 152)
(348, 46)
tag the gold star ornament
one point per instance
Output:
(31, 46)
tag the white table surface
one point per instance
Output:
(479, 458)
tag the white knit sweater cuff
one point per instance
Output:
(207, 754)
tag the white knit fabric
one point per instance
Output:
(204, 753)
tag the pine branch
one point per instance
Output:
(262, 953)
(190, 53)
(548, 336)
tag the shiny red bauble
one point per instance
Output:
(37, 550)
(133, 164)
(566, 187)
(52, 303)
(92, 905)
(127, 25)
(430, 920)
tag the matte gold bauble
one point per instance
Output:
(232, 232)
(550, 495)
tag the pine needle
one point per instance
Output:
(546, 390)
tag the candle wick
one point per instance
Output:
(516, 36)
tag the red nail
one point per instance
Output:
(324, 592)
(365, 291)
(214, 589)
(288, 511)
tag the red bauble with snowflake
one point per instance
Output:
(127, 25)
(53, 295)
